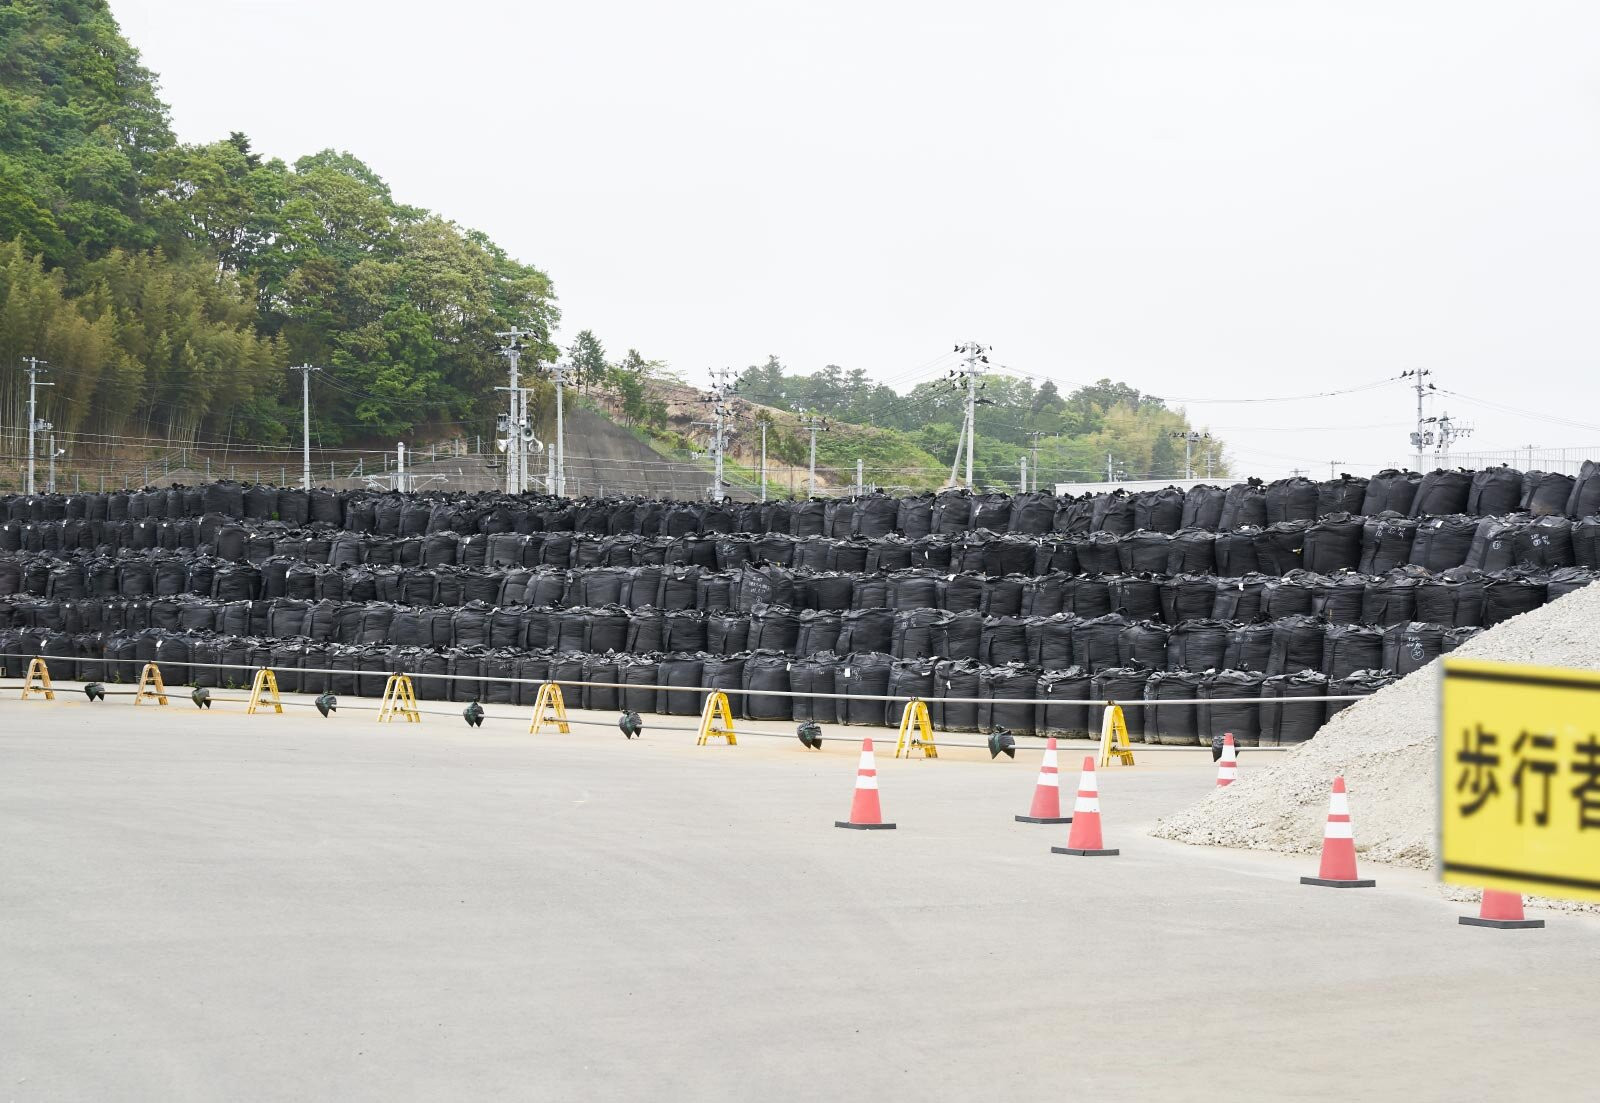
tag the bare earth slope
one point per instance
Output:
(605, 458)
(1387, 747)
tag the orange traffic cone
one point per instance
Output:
(1085, 837)
(1228, 765)
(865, 815)
(1338, 847)
(1500, 909)
(1047, 791)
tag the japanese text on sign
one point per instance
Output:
(1520, 778)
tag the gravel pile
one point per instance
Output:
(1387, 747)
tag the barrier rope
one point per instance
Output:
(1058, 702)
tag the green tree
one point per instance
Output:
(80, 114)
(630, 379)
(182, 278)
(588, 359)
(219, 197)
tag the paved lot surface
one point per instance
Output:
(207, 906)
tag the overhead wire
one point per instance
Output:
(1210, 401)
(1504, 408)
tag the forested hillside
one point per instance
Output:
(170, 286)
(1075, 432)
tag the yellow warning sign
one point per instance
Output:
(1520, 778)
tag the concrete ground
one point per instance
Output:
(208, 905)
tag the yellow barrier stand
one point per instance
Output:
(916, 731)
(265, 683)
(399, 699)
(37, 669)
(549, 708)
(151, 687)
(1114, 737)
(716, 720)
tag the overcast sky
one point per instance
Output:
(1207, 200)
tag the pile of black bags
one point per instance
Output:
(1251, 593)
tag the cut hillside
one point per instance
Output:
(891, 461)
(1387, 748)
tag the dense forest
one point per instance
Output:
(171, 286)
(917, 432)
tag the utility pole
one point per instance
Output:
(511, 348)
(1449, 430)
(1333, 469)
(1421, 437)
(1190, 439)
(975, 362)
(860, 481)
(1108, 467)
(34, 366)
(1024, 465)
(512, 343)
(50, 487)
(1033, 466)
(961, 437)
(717, 399)
(764, 424)
(558, 375)
(305, 371)
(813, 426)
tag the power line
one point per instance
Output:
(1307, 428)
(1503, 408)
(1208, 401)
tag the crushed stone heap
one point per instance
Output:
(1387, 748)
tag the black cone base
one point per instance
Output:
(1043, 819)
(864, 826)
(1327, 884)
(1083, 853)
(1501, 924)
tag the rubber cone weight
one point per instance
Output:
(864, 826)
(1331, 884)
(1043, 819)
(1502, 924)
(1084, 853)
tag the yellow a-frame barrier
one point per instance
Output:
(151, 687)
(264, 691)
(399, 699)
(37, 669)
(716, 720)
(916, 731)
(549, 708)
(1114, 737)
